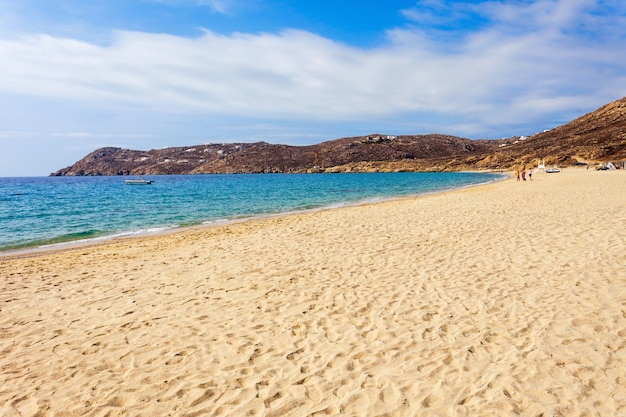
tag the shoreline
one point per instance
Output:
(501, 299)
(105, 239)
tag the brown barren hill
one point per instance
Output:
(596, 137)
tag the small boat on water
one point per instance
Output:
(138, 181)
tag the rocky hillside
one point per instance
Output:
(265, 157)
(596, 137)
(599, 136)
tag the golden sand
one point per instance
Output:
(499, 300)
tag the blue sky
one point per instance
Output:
(78, 75)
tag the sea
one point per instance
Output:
(38, 212)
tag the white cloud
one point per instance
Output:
(219, 6)
(489, 77)
(437, 12)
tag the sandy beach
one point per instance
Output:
(500, 300)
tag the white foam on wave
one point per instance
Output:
(89, 241)
(138, 232)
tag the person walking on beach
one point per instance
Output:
(530, 174)
(517, 175)
(523, 174)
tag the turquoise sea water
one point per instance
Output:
(38, 211)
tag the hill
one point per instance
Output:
(599, 136)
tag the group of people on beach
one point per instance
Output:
(523, 173)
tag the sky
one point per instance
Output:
(79, 75)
